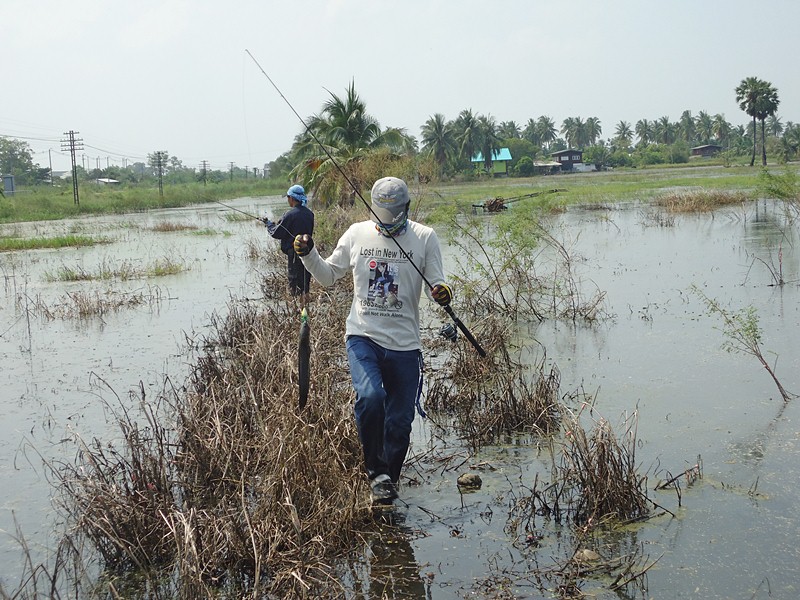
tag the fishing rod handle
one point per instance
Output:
(467, 333)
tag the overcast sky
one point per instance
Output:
(133, 77)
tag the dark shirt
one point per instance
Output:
(297, 221)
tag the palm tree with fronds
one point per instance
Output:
(686, 127)
(509, 130)
(490, 141)
(623, 134)
(593, 130)
(664, 130)
(644, 131)
(749, 94)
(766, 106)
(531, 133)
(774, 126)
(721, 129)
(704, 127)
(467, 131)
(547, 130)
(348, 134)
(438, 140)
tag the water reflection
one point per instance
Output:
(389, 570)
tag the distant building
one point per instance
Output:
(500, 160)
(106, 181)
(546, 167)
(706, 150)
(569, 159)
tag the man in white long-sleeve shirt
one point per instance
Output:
(382, 329)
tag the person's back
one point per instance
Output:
(298, 220)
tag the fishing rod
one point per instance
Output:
(264, 220)
(448, 309)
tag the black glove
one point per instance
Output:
(442, 293)
(303, 244)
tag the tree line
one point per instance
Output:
(344, 147)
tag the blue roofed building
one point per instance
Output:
(500, 161)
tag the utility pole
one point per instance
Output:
(204, 172)
(161, 161)
(231, 169)
(72, 144)
(246, 168)
(50, 157)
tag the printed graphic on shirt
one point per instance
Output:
(383, 289)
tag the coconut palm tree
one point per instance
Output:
(531, 133)
(575, 132)
(348, 133)
(623, 134)
(664, 130)
(721, 129)
(490, 140)
(686, 128)
(547, 130)
(704, 127)
(774, 126)
(438, 140)
(509, 130)
(644, 131)
(593, 130)
(467, 131)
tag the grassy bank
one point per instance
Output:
(49, 203)
(627, 185)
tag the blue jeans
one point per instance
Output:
(386, 383)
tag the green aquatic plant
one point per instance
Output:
(742, 335)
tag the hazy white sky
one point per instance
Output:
(138, 76)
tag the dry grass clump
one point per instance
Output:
(596, 479)
(170, 226)
(227, 490)
(698, 201)
(493, 396)
(84, 304)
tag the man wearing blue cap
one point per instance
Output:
(298, 220)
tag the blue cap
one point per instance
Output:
(298, 193)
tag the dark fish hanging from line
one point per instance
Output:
(304, 357)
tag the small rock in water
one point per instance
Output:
(469, 480)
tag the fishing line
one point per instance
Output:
(448, 309)
(254, 217)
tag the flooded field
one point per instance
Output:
(734, 533)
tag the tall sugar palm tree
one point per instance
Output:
(766, 106)
(438, 139)
(748, 94)
(593, 130)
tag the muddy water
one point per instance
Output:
(735, 534)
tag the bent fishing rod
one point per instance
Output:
(448, 309)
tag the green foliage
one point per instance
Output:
(782, 186)
(64, 241)
(524, 167)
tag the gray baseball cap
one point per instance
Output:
(389, 200)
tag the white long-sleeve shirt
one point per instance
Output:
(387, 288)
